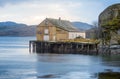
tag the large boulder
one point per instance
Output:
(109, 13)
(109, 22)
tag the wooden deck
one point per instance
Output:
(63, 47)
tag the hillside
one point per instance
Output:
(14, 29)
(82, 26)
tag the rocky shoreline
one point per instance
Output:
(112, 50)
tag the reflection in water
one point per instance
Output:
(65, 66)
(111, 60)
(58, 58)
(69, 66)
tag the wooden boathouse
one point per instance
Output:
(59, 36)
(57, 30)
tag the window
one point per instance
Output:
(72, 35)
(46, 31)
(46, 37)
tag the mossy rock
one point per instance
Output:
(109, 75)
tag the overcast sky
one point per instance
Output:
(34, 11)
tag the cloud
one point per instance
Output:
(5, 2)
(34, 11)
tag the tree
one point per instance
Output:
(95, 34)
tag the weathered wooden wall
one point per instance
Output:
(59, 33)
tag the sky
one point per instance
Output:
(32, 12)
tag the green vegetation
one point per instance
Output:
(112, 25)
(83, 40)
(111, 28)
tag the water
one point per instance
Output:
(17, 63)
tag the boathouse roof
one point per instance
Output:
(63, 24)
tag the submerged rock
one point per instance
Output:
(48, 76)
(108, 70)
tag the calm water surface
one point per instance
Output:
(17, 63)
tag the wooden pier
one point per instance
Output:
(63, 47)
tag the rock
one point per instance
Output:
(109, 75)
(109, 13)
(48, 76)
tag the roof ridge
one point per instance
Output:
(56, 19)
(64, 24)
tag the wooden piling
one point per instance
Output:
(62, 47)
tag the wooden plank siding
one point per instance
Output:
(53, 31)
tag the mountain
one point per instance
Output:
(16, 29)
(82, 26)
(11, 24)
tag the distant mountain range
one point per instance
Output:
(82, 26)
(18, 29)
(15, 29)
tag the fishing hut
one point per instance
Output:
(59, 36)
